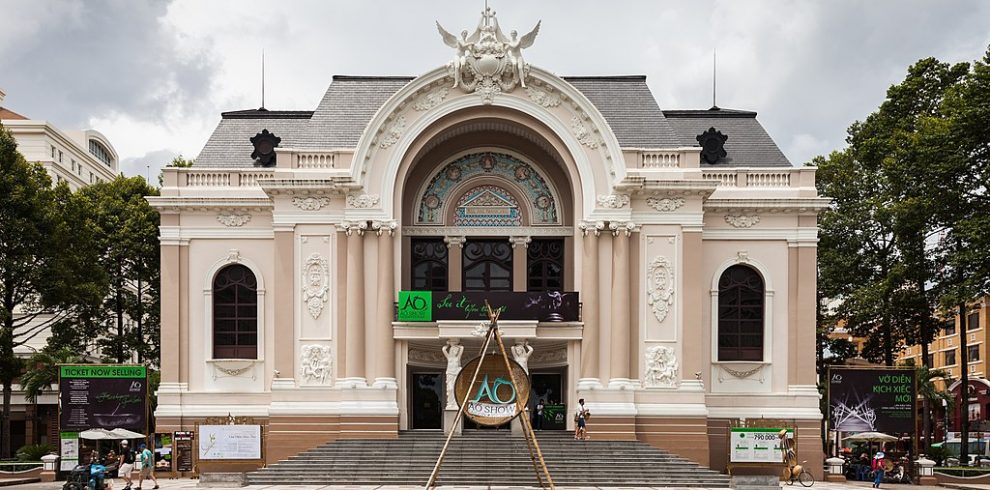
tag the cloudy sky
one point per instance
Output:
(155, 75)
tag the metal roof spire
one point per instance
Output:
(714, 78)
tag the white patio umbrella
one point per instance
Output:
(96, 435)
(126, 434)
(871, 437)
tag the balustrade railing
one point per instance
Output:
(224, 178)
(660, 159)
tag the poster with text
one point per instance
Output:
(756, 445)
(92, 396)
(229, 442)
(871, 400)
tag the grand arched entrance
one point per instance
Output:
(486, 207)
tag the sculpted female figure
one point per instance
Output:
(452, 351)
(521, 352)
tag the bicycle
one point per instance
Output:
(798, 473)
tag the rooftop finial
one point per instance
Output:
(714, 78)
(262, 108)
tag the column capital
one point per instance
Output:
(353, 227)
(452, 241)
(382, 227)
(520, 240)
(589, 227)
(626, 228)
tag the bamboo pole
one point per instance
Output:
(527, 427)
(460, 412)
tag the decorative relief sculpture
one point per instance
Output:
(363, 201)
(550, 356)
(488, 62)
(613, 201)
(665, 203)
(487, 205)
(316, 363)
(393, 132)
(316, 284)
(233, 256)
(426, 356)
(233, 220)
(544, 97)
(660, 287)
(743, 374)
(452, 351)
(661, 367)
(431, 99)
(310, 203)
(521, 352)
(742, 220)
(584, 135)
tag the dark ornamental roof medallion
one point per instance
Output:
(712, 145)
(264, 148)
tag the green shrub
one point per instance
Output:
(34, 452)
(938, 454)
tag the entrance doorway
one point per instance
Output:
(549, 387)
(427, 400)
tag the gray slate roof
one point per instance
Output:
(748, 145)
(351, 101)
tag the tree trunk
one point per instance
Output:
(926, 408)
(963, 389)
(140, 318)
(888, 341)
(5, 449)
(120, 317)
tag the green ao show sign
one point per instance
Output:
(429, 306)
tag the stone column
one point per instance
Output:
(520, 244)
(589, 309)
(385, 351)
(619, 347)
(455, 261)
(170, 274)
(354, 338)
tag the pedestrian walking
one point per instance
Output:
(126, 463)
(147, 461)
(581, 416)
(877, 466)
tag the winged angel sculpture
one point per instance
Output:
(489, 62)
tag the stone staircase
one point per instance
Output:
(487, 458)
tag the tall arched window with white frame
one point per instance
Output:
(235, 313)
(741, 313)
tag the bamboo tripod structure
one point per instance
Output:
(535, 454)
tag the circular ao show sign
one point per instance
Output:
(492, 400)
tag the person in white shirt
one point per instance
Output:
(581, 419)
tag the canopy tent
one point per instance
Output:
(103, 434)
(871, 437)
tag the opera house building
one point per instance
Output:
(324, 271)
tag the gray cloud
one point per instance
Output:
(148, 166)
(73, 60)
(809, 68)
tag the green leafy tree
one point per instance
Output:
(41, 371)
(127, 238)
(179, 162)
(47, 277)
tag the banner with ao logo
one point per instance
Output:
(492, 399)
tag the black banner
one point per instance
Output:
(102, 397)
(426, 306)
(867, 400)
(184, 451)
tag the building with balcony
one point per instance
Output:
(671, 256)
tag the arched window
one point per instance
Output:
(545, 266)
(429, 264)
(740, 315)
(235, 313)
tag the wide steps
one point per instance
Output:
(486, 458)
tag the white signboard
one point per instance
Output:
(229, 442)
(69, 453)
(755, 445)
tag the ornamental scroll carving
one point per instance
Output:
(316, 363)
(742, 220)
(665, 203)
(316, 284)
(661, 367)
(431, 99)
(660, 287)
(393, 132)
(233, 219)
(584, 135)
(613, 201)
(310, 203)
(543, 96)
(426, 357)
(363, 201)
